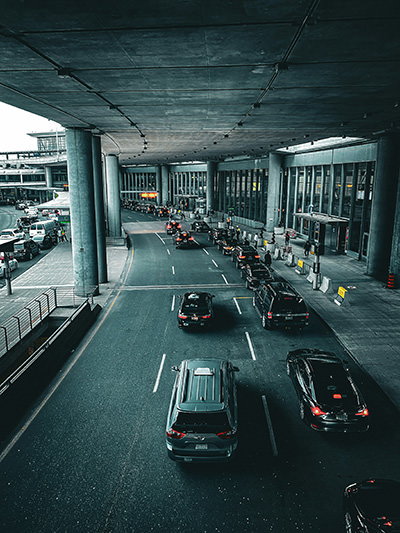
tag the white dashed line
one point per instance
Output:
(168, 252)
(161, 239)
(159, 373)
(253, 355)
(214, 263)
(173, 303)
(224, 278)
(173, 270)
(237, 305)
(270, 428)
(204, 250)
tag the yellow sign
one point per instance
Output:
(300, 263)
(342, 291)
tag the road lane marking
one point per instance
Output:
(253, 355)
(173, 270)
(173, 302)
(204, 250)
(177, 286)
(237, 305)
(161, 239)
(168, 252)
(224, 278)
(270, 428)
(215, 263)
(159, 373)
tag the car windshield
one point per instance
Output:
(19, 246)
(6, 232)
(202, 422)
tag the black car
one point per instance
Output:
(280, 305)
(196, 308)
(183, 239)
(172, 226)
(244, 254)
(199, 226)
(226, 245)
(372, 506)
(163, 211)
(45, 242)
(255, 275)
(216, 234)
(329, 398)
(26, 249)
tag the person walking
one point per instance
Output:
(255, 240)
(307, 248)
(268, 259)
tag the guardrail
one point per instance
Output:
(18, 326)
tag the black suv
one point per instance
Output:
(199, 226)
(26, 249)
(172, 226)
(202, 420)
(279, 304)
(244, 254)
(256, 274)
(226, 245)
(183, 239)
(196, 308)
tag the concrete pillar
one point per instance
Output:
(395, 256)
(49, 177)
(99, 209)
(81, 193)
(210, 186)
(113, 200)
(274, 182)
(383, 206)
(164, 184)
(158, 185)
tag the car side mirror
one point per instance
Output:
(174, 368)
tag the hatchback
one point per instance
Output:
(329, 398)
(196, 309)
(372, 506)
(202, 422)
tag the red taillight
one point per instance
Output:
(242, 257)
(269, 315)
(388, 523)
(178, 226)
(307, 315)
(182, 316)
(257, 257)
(169, 226)
(337, 396)
(206, 316)
(178, 239)
(173, 434)
(317, 411)
(190, 238)
(363, 412)
(227, 434)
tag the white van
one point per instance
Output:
(44, 227)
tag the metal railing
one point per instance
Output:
(18, 326)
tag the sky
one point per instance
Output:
(15, 124)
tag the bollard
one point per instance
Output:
(390, 283)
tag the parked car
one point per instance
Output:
(162, 211)
(255, 274)
(196, 308)
(216, 234)
(183, 239)
(199, 226)
(13, 263)
(172, 226)
(202, 421)
(26, 249)
(226, 245)
(372, 506)
(45, 241)
(329, 399)
(280, 305)
(244, 254)
(27, 220)
(10, 233)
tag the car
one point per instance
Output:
(163, 211)
(372, 506)
(20, 206)
(196, 308)
(183, 239)
(172, 226)
(10, 233)
(244, 254)
(199, 226)
(255, 274)
(45, 241)
(26, 249)
(216, 234)
(202, 421)
(13, 264)
(226, 245)
(26, 220)
(280, 305)
(329, 399)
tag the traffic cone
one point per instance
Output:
(390, 283)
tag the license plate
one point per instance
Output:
(288, 318)
(343, 417)
(195, 318)
(201, 447)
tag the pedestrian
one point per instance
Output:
(255, 240)
(238, 233)
(63, 236)
(268, 259)
(287, 238)
(59, 235)
(307, 248)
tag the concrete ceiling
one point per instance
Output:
(182, 80)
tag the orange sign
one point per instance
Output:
(149, 194)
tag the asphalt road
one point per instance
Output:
(92, 456)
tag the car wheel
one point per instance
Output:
(348, 522)
(264, 322)
(301, 410)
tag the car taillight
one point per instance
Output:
(173, 434)
(317, 411)
(242, 257)
(182, 316)
(256, 257)
(178, 239)
(363, 412)
(307, 315)
(190, 238)
(269, 315)
(227, 434)
(206, 316)
(178, 226)
(337, 396)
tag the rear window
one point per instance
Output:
(200, 422)
(19, 246)
(289, 304)
(330, 379)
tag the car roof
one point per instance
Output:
(202, 385)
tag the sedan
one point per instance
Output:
(372, 506)
(184, 239)
(199, 226)
(196, 309)
(172, 226)
(329, 398)
(13, 266)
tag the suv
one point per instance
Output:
(279, 304)
(202, 419)
(256, 274)
(26, 249)
(183, 239)
(196, 309)
(199, 226)
(172, 226)
(226, 245)
(244, 254)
